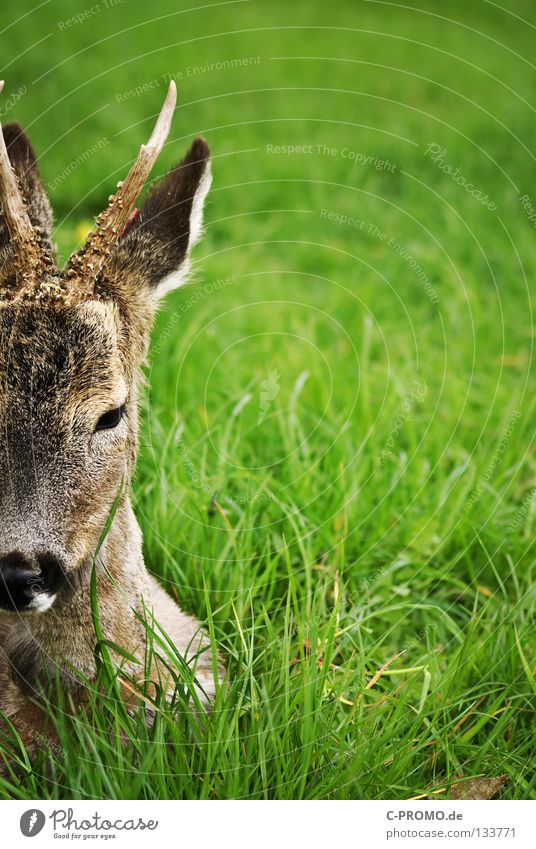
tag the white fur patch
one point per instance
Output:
(174, 280)
(179, 277)
(196, 216)
(42, 602)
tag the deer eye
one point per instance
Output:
(111, 418)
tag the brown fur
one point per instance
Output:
(66, 358)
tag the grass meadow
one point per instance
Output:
(337, 468)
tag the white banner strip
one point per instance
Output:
(265, 825)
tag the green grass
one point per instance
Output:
(381, 513)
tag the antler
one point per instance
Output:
(87, 263)
(31, 260)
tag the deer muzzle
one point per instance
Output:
(29, 583)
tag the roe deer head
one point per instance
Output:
(72, 344)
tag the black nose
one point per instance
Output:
(25, 582)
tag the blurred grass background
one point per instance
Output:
(407, 517)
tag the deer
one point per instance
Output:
(73, 344)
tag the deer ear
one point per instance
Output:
(155, 247)
(24, 163)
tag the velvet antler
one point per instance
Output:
(86, 264)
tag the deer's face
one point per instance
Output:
(68, 425)
(71, 346)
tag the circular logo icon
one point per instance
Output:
(32, 822)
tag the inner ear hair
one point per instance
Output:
(157, 242)
(24, 163)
